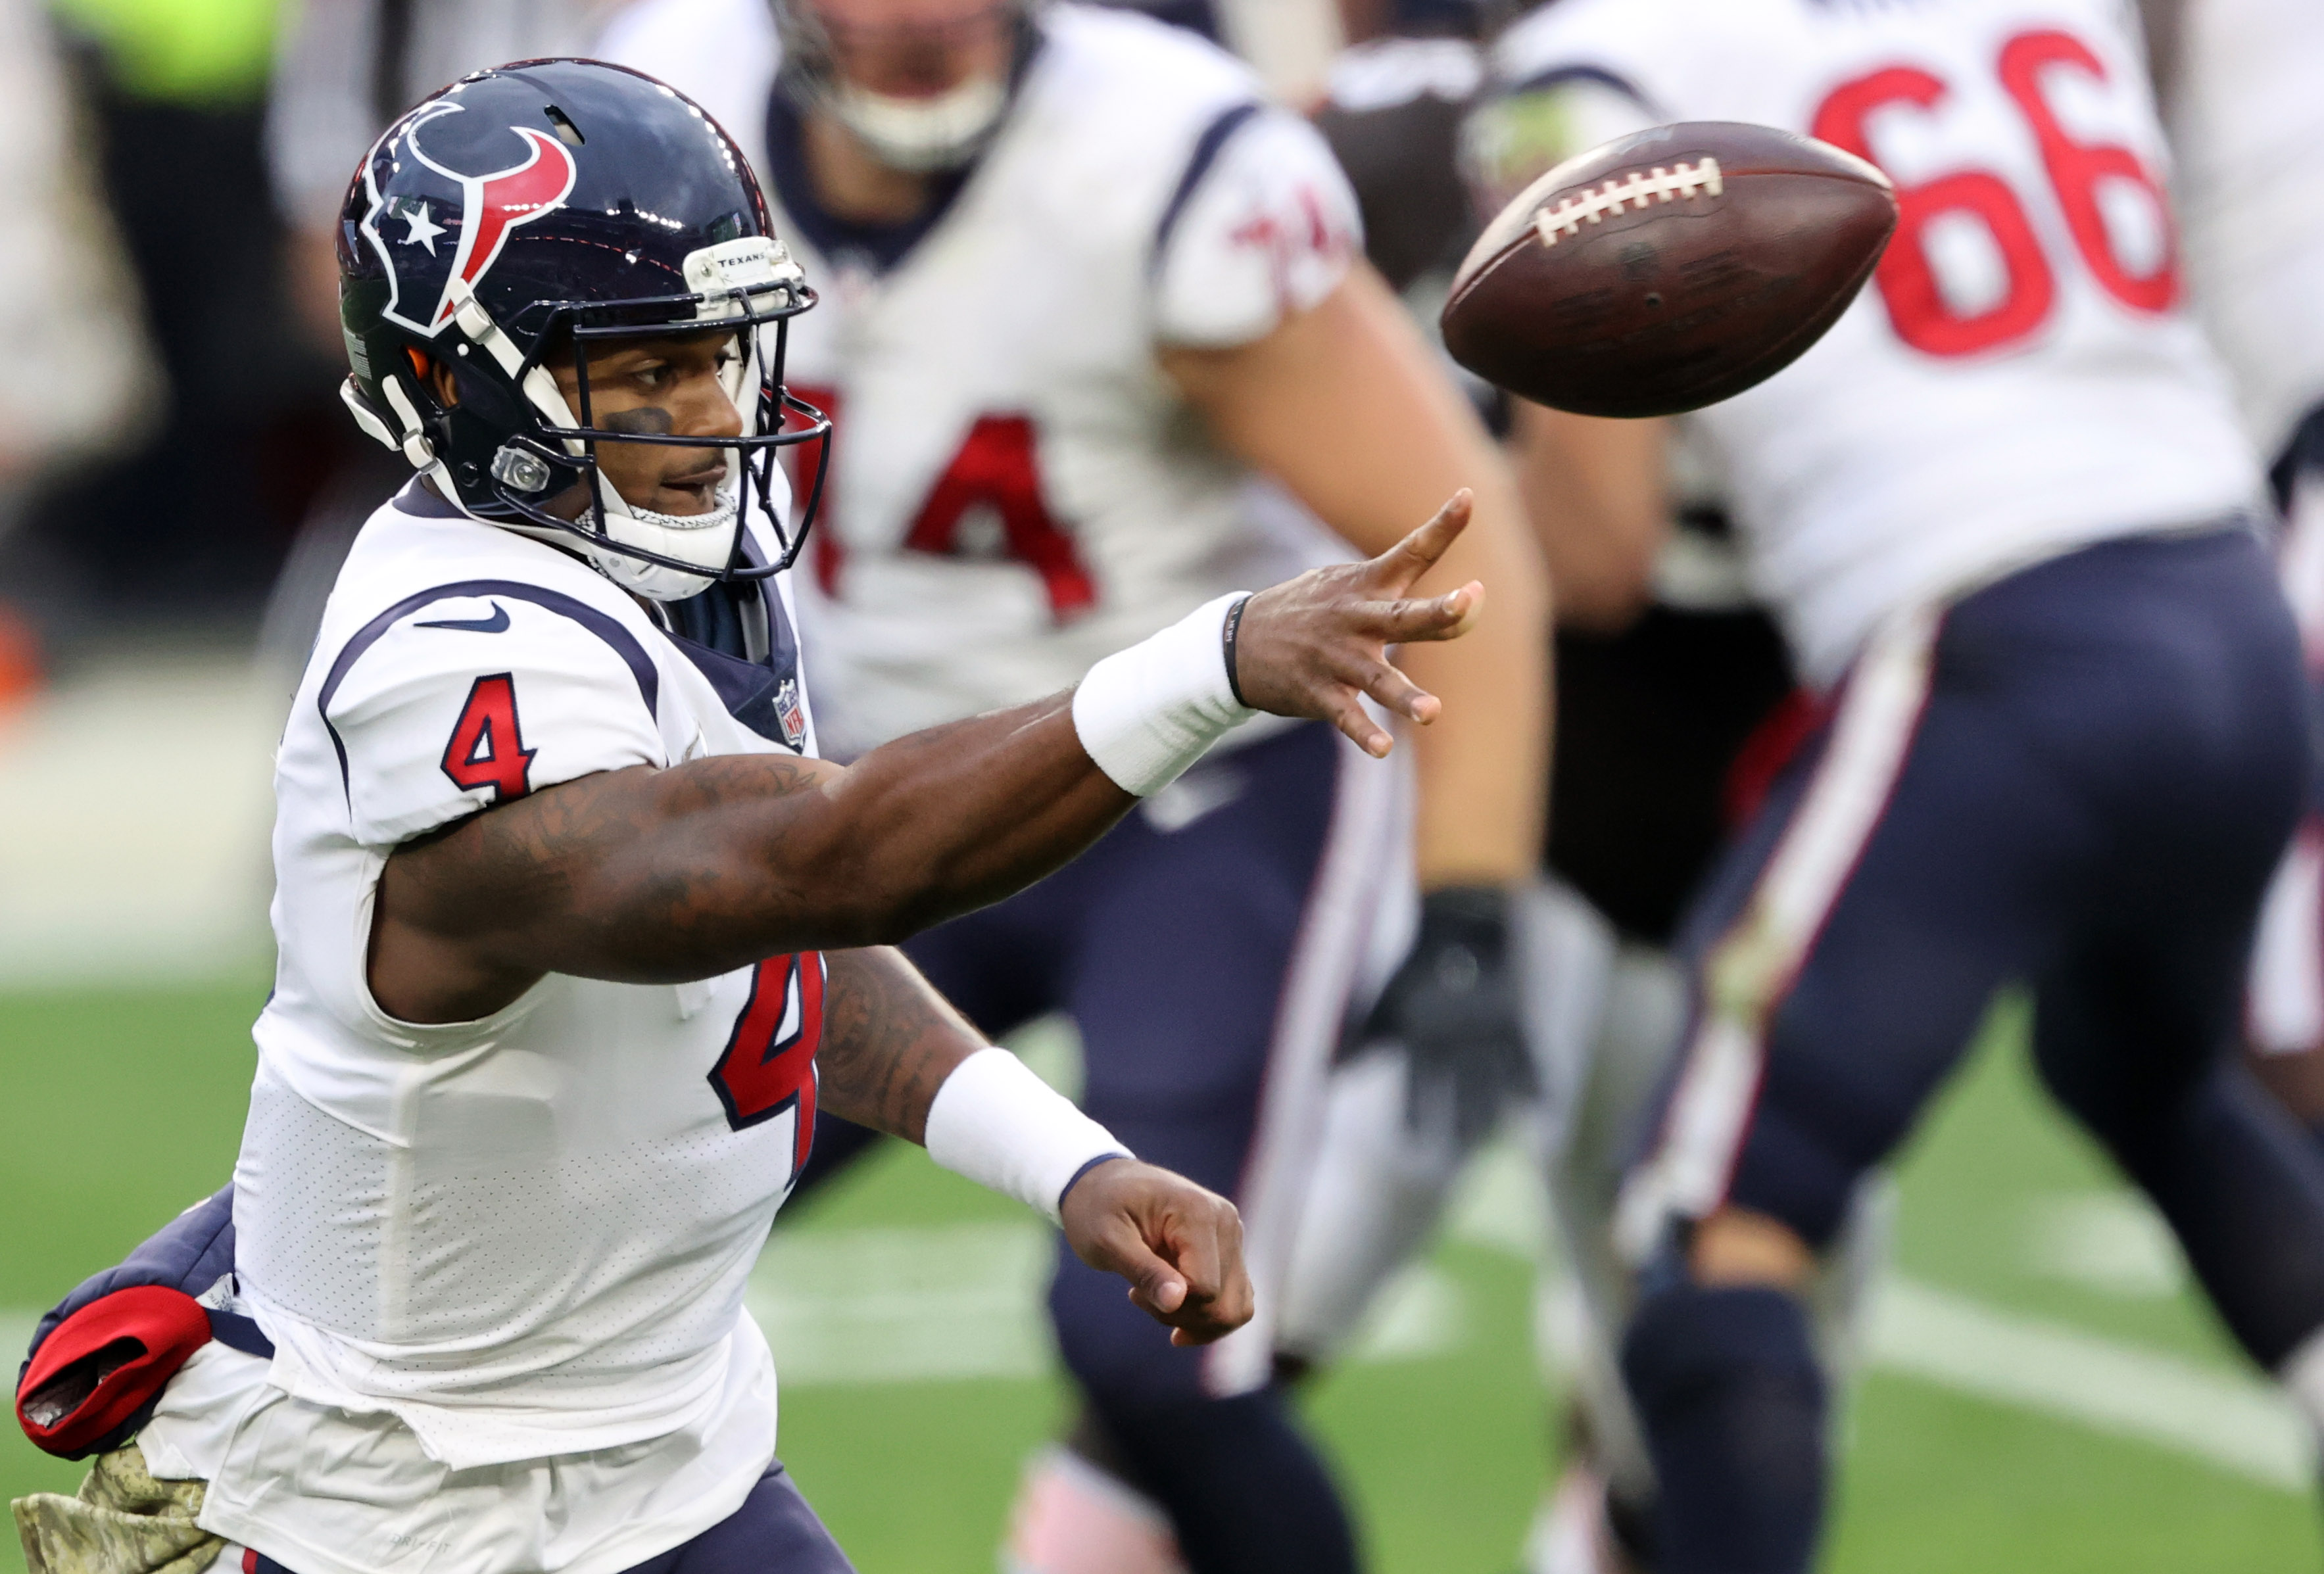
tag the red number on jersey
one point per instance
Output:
(1907, 278)
(486, 750)
(996, 467)
(825, 540)
(2075, 169)
(768, 1063)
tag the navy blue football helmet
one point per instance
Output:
(541, 209)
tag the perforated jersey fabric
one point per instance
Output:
(501, 1262)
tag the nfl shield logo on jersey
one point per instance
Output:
(791, 713)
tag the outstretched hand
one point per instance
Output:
(1179, 1245)
(1314, 646)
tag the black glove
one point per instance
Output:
(1454, 1007)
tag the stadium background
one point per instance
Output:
(2045, 1393)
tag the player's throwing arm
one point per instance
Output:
(649, 876)
(665, 876)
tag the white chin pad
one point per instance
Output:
(918, 136)
(706, 540)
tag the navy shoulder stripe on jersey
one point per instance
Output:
(1207, 147)
(605, 626)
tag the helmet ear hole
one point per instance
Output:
(430, 378)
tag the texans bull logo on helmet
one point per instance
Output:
(487, 208)
(526, 220)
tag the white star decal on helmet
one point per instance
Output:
(420, 229)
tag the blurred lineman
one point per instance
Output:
(2240, 76)
(576, 930)
(1674, 695)
(2001, 511)
(1092, 323)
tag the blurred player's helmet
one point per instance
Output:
(542, 209)
(920, 135)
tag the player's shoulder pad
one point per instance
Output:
(1112, 109)
(1572, 76)
(1631, 46)
(1262, 224)
(721, 53)
(474, 693)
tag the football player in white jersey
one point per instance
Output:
(1097, 348)
(576, 930)
(2003, 513)
(2239, 79)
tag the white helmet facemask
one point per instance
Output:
(662, 557)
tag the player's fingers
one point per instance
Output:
(1155, 1287)
(1401, 696)
(1375, 675)
(1413, 556)
(1208, 1248)
(1341, 707)
(1200, 1255)
(1437, 617)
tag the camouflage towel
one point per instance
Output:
(124, 1522)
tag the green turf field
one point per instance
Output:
(2044, 1395)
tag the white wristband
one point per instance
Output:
(1003, 1127)
(1146, 713)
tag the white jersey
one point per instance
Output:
(1016, 490)
(2247, 118)
(490, 1243)
(2021, 378)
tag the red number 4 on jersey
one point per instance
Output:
(486, 750)
(769, 1065)
(997, 467)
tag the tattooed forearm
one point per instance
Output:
(889, 1042)
(660, 876)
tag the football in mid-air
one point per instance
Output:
(1668, 270)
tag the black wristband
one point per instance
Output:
(1227, 631)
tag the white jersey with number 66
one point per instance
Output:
(2022, 376)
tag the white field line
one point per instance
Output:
(964, 1301)
(911, 1305)
(2227, 1418)
(138, 798)
(950, 1303)
(2108, 1241)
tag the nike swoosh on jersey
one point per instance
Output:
(492, 625)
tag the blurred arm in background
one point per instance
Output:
(1345, 406)
(1597, 497)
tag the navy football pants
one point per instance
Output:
(1205, 949)
(2078, 779)
(1169, 945)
